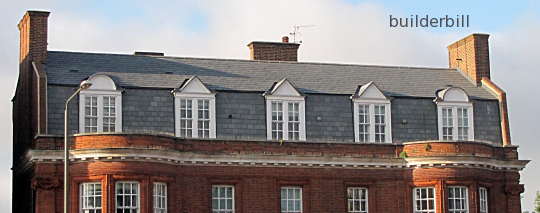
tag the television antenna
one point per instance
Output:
(296, 31)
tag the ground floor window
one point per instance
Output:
(291, 199)
(457, 199)
(424, 200)
(357, 200)
(127, 197)
(222, 199)
(90, 197)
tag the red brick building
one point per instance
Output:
(156, 133)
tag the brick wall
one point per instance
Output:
(273, 51)
(257, 188)
(471, 56)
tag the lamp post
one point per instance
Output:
(84, 85)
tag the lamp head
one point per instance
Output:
(85, 84)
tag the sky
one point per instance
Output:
(341, 31)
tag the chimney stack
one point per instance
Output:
(274, 51)
(471, 56)
(33, 36)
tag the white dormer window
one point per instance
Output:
(285, 112)
(195, 110)
(100, 106)
(372, 115)
(455, 115)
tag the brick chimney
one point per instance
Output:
(471, 56)
(274, 51)
(33, 36)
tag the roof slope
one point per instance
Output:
(69, 68)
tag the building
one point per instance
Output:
(171, 134)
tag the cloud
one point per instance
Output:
(343, 32)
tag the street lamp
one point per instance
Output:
(84, 85)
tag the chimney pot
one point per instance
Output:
(285, 39)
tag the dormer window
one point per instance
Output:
(100, 106)
(372, 115)
(285, 112)
(195, 110)
(455, 115)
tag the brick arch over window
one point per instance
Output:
(100, 106)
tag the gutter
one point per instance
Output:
(503, 107)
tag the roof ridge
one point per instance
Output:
(261, 61)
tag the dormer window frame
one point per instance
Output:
(97, 99)
(368, 106)
(284, 101)
(454, 121)
(194, 96)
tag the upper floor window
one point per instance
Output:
(100, 106)
(372, 115)
(291, 199)
(457, 199)
(90, 197)
(483, 195)
(195, 110)
(357, 200)
(160, 198)
(127, 197)
(222, 199)
(285, 112)
(424, 200)
(455, 113)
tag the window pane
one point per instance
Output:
(457, 199)
(186, 118)
(483, 194)
(222, 199)
(90, 197)
(127, 197)
(90, 114)
(357, 201)
(160, 198)
(448, 124)
(363, 122)
(291, 199)
(294, 120)
(109, 114)
(277, 120)
(203, 120)
(424, 200)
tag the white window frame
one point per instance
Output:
(457, 197)
(427, 198)
(354, 196)
(160, 197)
(100, 94)
(483, 199)
(285, 103)
(137, 207)
(455, 133)
(195, 114)
(295, 189)
(227, 209)
(84, 195)
(371, 115)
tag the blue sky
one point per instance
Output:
(351, 31)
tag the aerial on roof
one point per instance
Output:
(128, 71)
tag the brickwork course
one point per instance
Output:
(325, 165)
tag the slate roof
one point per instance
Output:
(69, 68)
